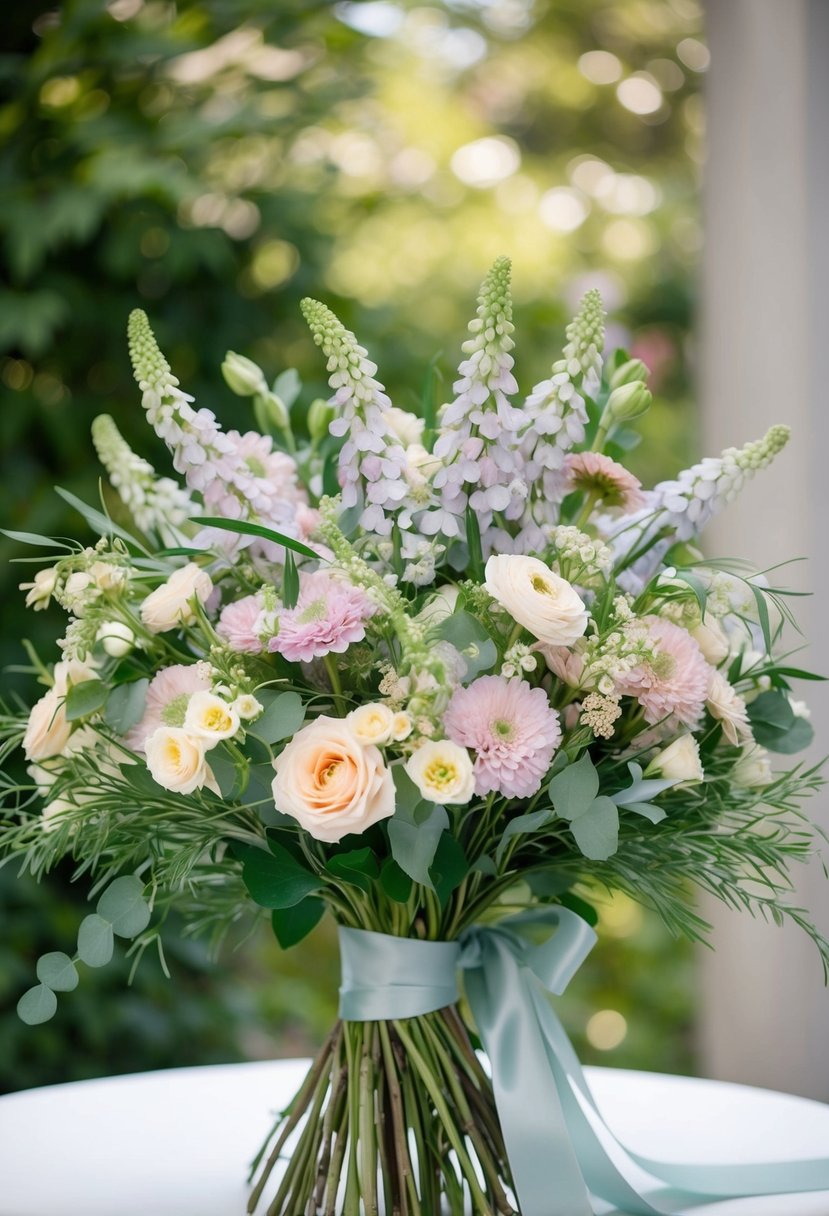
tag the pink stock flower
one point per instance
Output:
(166, 702)
(237, 624)
(512, 730)
(329, 615)
(597, 474)
(675, 681)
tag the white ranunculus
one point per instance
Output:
(402, 726)
(116, 637)
(442, 771)
(753, 768)
(406, 426)
(171, 603)
(210, 718)
(330, 782)
(176, 761)
(372, 723)
(712, 640)
(679, 761)
(535, 597)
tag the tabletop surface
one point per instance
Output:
(178, 1143)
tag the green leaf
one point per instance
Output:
(414, 836)
(288, 386)
(33, 538)
(795, 673)
(244, 528)
(57, 971)
(549, 884)
(484, 865)
(786, 743)
(469, 637)
(762, 614)
(697, 586)
(37, 1005)
(647, 809)
(124, 906)
(273, 877)
(449, 868)
(97, 521)
(95, 941)
(642, 789)
(522, 824)
(473, 541)
(396, 884)
(573, 789)
(359, 867)
(226, 772)
(291, 925)
(596, 830)
(85, 699)
(773, 709)
(581, 908)
(125, 705)
(281, 719)
(290, 582)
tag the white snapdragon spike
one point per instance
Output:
(239, 476)
(478, 441)
(555, 413)
(157, 504)
(372, 462)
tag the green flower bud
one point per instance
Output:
(243, 376)
(628, 372)
(320, 416)
(628, 401)
(271, 411)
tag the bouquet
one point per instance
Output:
(441, 677)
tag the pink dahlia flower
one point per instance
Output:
(237, 625)
(675, 681)
(329, 615)
(610, 481)
(511, 728)
(166, 702)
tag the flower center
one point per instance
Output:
(329, 772)
(315, 611)
(217, 719)
(440, 775)
(664, 666)
(503, 729)
(174, 712)
(542, 585)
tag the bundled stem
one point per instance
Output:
(397, 1111)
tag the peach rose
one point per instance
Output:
(171, 603)
(330, 782)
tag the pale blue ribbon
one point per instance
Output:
(548, 1114)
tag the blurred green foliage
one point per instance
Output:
(215, 161)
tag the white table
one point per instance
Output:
(178, 1143)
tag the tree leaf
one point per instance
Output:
(396, 884)
(291, 925)
(124, 906)
(57, 971)
(37, 1005)
(449, 867)
(95, 941)
(281, 719)
(573, 789)
(85, 699)
(773, 709)
(596, 830)
(273, 877)
(125, 705)
(242, 527)
(522, 824)
(358, 867)
(414, 836)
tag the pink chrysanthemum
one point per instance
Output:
(597, 474)
(166, 702)
(675, 681)
(329, 615)
(237, 625)
(511, 728)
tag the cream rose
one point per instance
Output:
(679, 761)
(47, 732)
(442, 771)
(712, 640)
(753, 769)
(210, 718)
(726, 705)
(536, 598)
(330, 782)
(406, 426)
(176, 761)
(372, 723)
(171, 603)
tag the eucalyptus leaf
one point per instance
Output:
(573, 789)
(124, 906)
(57, 971)
(37, 1005)
(786, 743)
(596, 830)
(449, 867)
(291, 925)
(647, 809)
(468, 636)
(642, 789)
(414, 836)
(125, 705)
(95, 941)
(85, 699)
(273, 877)
(772, 708)
(281, 719)
(226, 772)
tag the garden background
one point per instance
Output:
(212, 163)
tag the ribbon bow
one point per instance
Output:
(551, 1124)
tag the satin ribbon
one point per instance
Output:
(555, 1137)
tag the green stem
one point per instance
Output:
(336, 685)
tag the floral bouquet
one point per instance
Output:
(442, 678)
